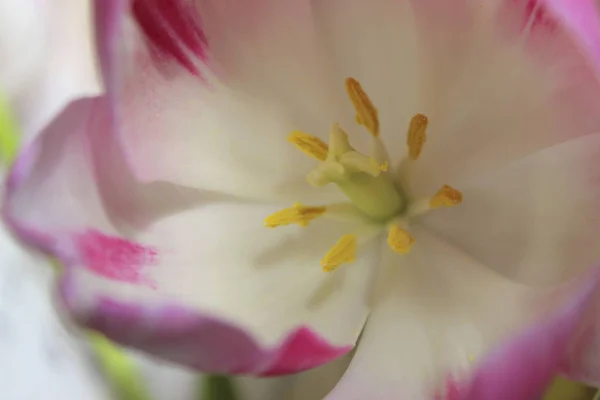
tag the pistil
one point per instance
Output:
(362, 179)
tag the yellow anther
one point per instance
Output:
(399, 240)
(366, 113)
(344, 251)
(310, 145)
(297, 214)
(446, 197)
(417, 135)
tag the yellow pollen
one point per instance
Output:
(344, 251)
(366, 113)
(383, 167)
(399, 240)
(417, 135)
(446, 197)
(297, 214)
(310, 145)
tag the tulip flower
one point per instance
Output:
(266, 184)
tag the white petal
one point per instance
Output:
(158, 246)
(523, 84)
(534, 221)
(268, 70)
(219, 258)
(18, 19)
(374, 42)
(225, 128)
(435, 310)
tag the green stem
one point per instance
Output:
(217, 387)
(126, 383)
(9, 135)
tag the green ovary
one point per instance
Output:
(375, 196)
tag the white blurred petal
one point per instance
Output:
(47, 57)
(39, 359)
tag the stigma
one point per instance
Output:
(372, 188)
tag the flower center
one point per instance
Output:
(361, 178)
(365, 180)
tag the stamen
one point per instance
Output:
(416, 137)
(446, 197)
(344, 251)
(366, 113)
(399, 240)
(297, 214)
(310, 145)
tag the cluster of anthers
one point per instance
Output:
(380, 196)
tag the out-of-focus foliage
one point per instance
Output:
(125, 381)
(563, 389)
(9, 140)
(216, 387)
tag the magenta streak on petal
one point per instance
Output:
(301, 342)
(536, 16)
(200, 341)
(115, 258)
(170, 27)
(530, 22)
(452, 390)
(180, 18)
